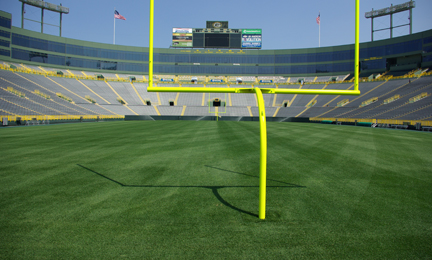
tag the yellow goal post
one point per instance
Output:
(259, 93)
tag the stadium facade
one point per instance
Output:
(398, 54)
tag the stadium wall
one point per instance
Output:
(24, 46)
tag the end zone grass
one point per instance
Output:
(181, 189)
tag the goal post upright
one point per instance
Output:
(259, 94)
(357, 45)
(150, 70)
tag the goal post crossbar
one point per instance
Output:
(253, 90)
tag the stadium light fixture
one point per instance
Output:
(259, 94)
(393, 9)
(44, 5)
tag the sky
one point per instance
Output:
(285, 24)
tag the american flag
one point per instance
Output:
(318, 19)
(118, 16)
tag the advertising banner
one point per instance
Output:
(251, 40)
(251, 45)
(181, 44)
(251, 31)
(182, 37)
(182, 30)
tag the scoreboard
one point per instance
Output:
(218, 36)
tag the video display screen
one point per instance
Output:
(217, 40)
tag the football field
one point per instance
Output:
(187, 189)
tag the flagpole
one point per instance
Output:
(114, 29)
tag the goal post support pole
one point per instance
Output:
(263, 153)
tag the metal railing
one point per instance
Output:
(369, 120)
(61, 117)
(205, 81)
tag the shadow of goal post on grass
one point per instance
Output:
(259, 94)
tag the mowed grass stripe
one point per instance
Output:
(186, 189)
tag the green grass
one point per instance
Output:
(182, 189)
